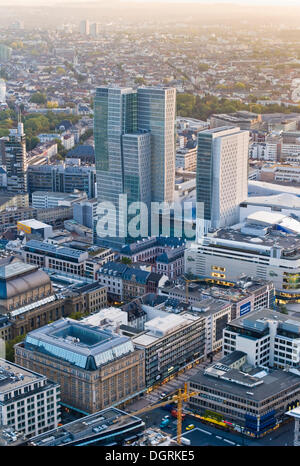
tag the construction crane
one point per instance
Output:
(183, 395)
(207, 280)
(187, 282)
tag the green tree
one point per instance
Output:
(9, 347)
(140, 81)
(38, 98)
(126, 260)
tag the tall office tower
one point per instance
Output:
(84, 27)
(5, 52)
(94, 29)
(134, 142)
(222, 178)
(156, 113)
(115, 115)
(2, 91)
(15, 160)
(137, 167)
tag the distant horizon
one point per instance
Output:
(212, 2)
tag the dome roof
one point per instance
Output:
(23, 284)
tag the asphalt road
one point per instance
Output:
(204, 434)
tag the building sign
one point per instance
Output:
(245, 308)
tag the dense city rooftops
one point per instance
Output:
(15, 268)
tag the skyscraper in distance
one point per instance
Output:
(94, 29)
(222, 176)
(15, 159)
(84, 27)
(2, 91)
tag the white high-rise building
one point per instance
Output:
(222, 176)
(2, 91)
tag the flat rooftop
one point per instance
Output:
(273, 383)
(15, 268)
(32, 223)
(272, 238)
(262, 315)
(289, 201)
(77, 343)
(13, 376)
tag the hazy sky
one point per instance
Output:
(241, 2)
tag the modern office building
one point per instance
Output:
(29, 402)
(15, 160)
(186, 158)
(245, 120)
(95, 367)
(2, 91)
(269, 338)
(10, 217)
(251, 403)
(222, 176)
(13, 200)
(137, 167)
(156, 113)
(61, 178)
(264, 246)
(115, 114)
(48, 200)
(134, 151)
(53, 257)
(85, 212)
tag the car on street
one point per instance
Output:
(190, 427)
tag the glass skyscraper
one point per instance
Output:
(15, 159)
(156, 113)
